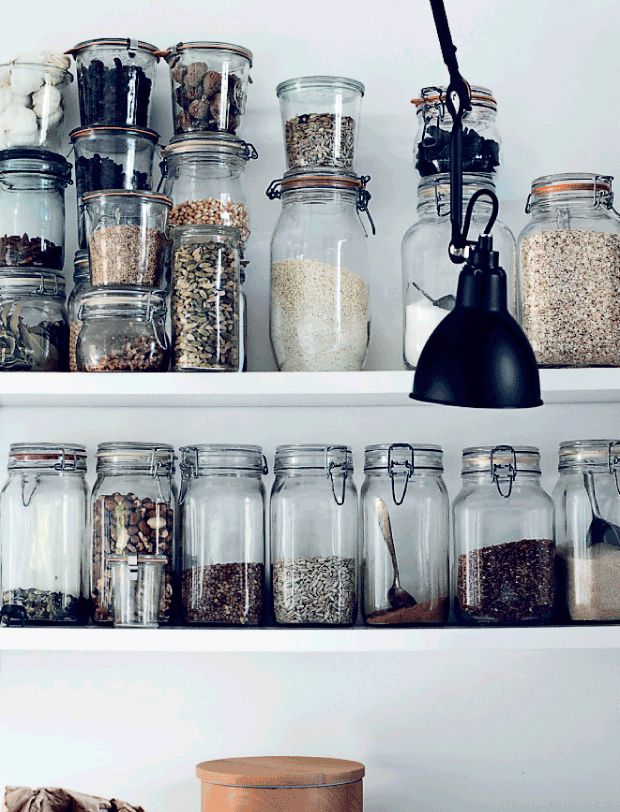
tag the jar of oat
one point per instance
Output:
(133, 510)
(569, 271)
(123, 330)
(314, 536)
(81, 284)
(203, 174)
(320, 308)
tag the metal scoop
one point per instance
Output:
(398, 597)
(444, 302)
(600, 531)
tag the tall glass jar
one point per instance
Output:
(320, 308)
(503, 564)
(569, 271)
(133, 513)
(430, 278)
(406, 515)
(81, 284)
(43, 508)
(587, 516)
(314, 536)
(222, 501)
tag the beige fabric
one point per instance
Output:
(24, 799)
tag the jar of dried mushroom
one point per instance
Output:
(32, 207)
(127, 237)
(81, 284)
(320, 308)
(133, 509)
(504, 539)
(222, 503)
(314, 536)
(406, 521)
(569, 271)
(587, 518)
(209, 84)
(320, 116)
(43, 508)
(123, 330)
(203, 174)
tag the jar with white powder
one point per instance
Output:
(320, 313)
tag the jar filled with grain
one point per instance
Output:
(314, 541)
(320, 304)
(81, 284)
(569, 271)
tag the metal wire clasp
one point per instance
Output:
(158, 469)
(274, 192)
(614, 462)
(403, 467)
(363, 199)
(337, 459)
(504, 472)
(189, 470)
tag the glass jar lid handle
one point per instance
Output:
(189, 470)
(158, 469)
(363, 199)
(337, 459)
(265, 468)
(29, 492)
(504, 472)
(394, 464)
(614, 462)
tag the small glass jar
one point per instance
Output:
(34, 329)
(430, 278)
(133, 512)
(587, 517)
(115, 81)
(320, 117)
(203, 174)
(32, 207)
(123, 330)
(206, 297)
(320, 308)
(503, 565)
(223, 540)
(81, 284)
(569, 271)
(111, 158)
(137, 584)
(127, 236)
(481, 141)
(209, 84)
(43, 509)
(314, 536)
(406, 516)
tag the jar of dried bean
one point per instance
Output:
(133, 509)
(81, 284)
(569, 271)
(222, 501)
(504, 538)
(314, 536)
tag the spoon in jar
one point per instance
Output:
(444, 302)
(398, 597)
(600, 531)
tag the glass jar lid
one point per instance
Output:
(600, 454)
(205, 233)
(435, 95)
(51, 456)
(321, 82)
(172, 54)
(156, 459)
(34, 161)
(81, 266)
(567, 186)
(205, 146)
(502, 463)
(31, 282)
(115, 42)
(392, 456)
(205, 458)
(335, 461)
(128, 194)
(435, 189)
(103, 130)
(123, 302)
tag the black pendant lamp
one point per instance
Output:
(478, 356)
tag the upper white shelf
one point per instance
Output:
(387, 388)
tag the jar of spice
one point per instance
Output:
(587, 516)
(43, 509)
(133, 508)
(569, 271)
(81, 284)
(320, 308)
(314, 541)
(504, 538)
(222, 501)
(406, 515)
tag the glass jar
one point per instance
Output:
(569, 271)
(133, 510)
(127, 236)
(115, 81)
(406, 516)
(111, 158)
(314, 536)
(320, 117)
(320, 309)
(34, 329)
(32, 207)
(503, 567)
(209, 84)
(203, 174)
(481, 141)
(206, 299)
(223, 541)
(137, 583)
(81, 284)
(587, 517)
(430, 278)
(123, 330)
(43, 509)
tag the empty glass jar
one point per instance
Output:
(81, 284)
(137, 584)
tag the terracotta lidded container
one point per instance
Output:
(281, 784)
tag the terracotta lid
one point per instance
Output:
(280, 771)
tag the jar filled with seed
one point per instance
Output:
(314, 536)
(81, 284)
(133, 508)
(243, 317)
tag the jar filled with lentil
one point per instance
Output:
(504, 539)
(569, 271)
(81, 284)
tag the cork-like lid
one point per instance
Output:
(280, 771)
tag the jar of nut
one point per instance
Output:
(81, 283)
